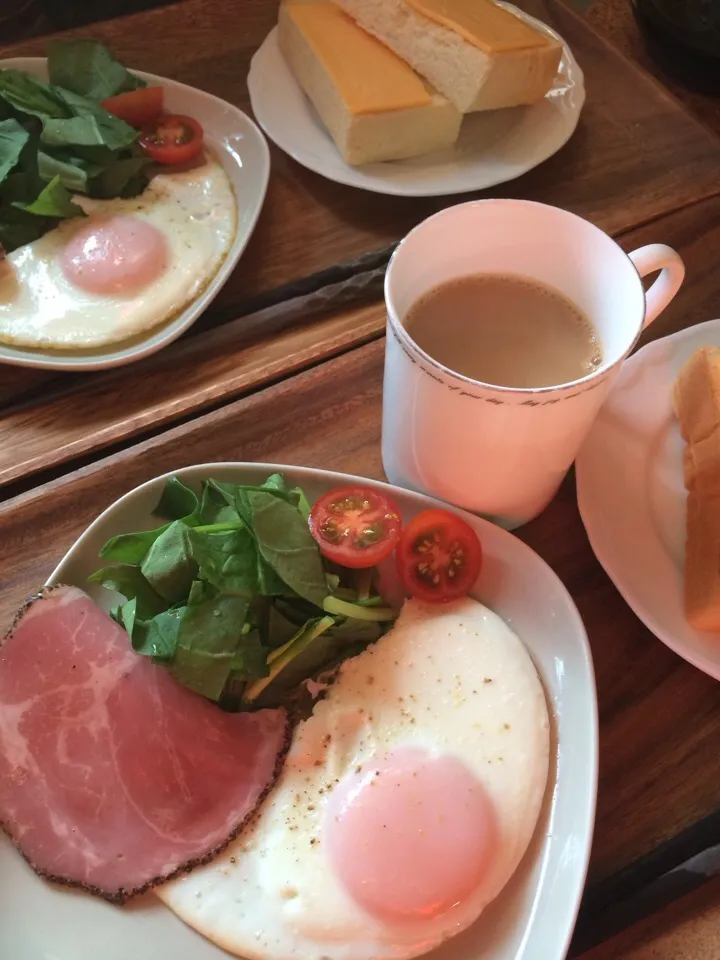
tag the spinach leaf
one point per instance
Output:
(202, 671)
(216, 506)
(158, 638)
(131, 547)
(286, 544)
(269, 582)
(223, 489)
(18, 228)
(22, 185)
(73, 171)
(169, 566)
(13, 137)
(212, 622)
(122, 176)
(130, 582)
(26, 211)
(28, 94)
(274, 484)
(52, 201)
(212, 644)
(87, 67)
(302, 503)
(86, 124)
(100, 173)
(276, 481)
(124, 614)
(177, 500)
(227, 559)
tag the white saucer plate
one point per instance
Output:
(538, 908)
(493, 147)
(237, 143)
(632, 498)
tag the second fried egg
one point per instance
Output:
(127, 267)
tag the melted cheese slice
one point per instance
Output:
(482, 23)
(368, 75)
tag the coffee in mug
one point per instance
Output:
(503, 329)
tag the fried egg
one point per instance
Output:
(128, 266)
(405, 805)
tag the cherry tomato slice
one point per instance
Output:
(355, 526)
(136, 107)
(439, 556)
(172, 139)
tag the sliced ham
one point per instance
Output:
(113, 776)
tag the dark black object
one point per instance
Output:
(675, 868)
(64, 14)
(17, 19)
(683, 36)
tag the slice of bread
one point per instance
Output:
(507, 63)
(371, 102)
(696, 401)
(702, 556)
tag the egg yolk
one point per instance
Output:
(410, 835)
(114, 255)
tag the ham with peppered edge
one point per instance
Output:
(113, 776)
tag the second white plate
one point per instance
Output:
(493, 147)
(632, 498)
(242, 151)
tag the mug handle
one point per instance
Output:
(650, 259)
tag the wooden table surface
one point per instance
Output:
(286, 366)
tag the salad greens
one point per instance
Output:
(232, 595)
(55, 137)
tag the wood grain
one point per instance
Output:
(94, 411)
(635, 156)
(55, 419)
(659, 716)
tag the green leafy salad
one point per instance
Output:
(233, 596)
(57, 139)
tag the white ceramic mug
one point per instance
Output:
(500, 451)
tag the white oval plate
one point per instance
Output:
(493, 146)
(539, 905)
(632, 498)
(242, 150)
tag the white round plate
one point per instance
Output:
(632, 498)
(539, 905)
(240, 147)
(493, 146)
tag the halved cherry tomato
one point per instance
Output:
(172, 139)
(439, 556)
(355, 526)
(136, 107)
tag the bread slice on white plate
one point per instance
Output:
(476, 53)
(373, 104)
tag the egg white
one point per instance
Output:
(194, 209)
(453, 679)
